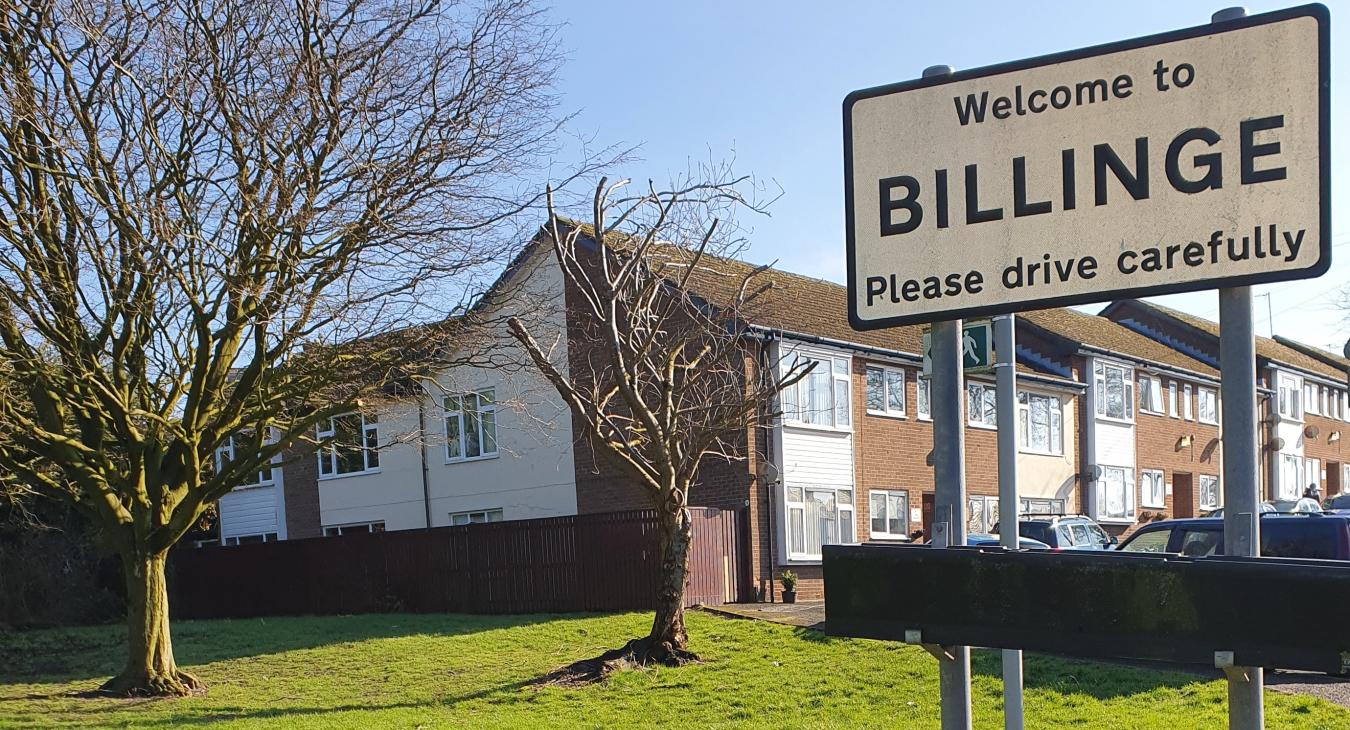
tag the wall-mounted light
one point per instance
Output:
(1185, 442)
(1334, 437)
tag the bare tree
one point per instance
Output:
(199, 199)
(663, 374)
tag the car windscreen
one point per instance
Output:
(1035, 530)
(1152, 541)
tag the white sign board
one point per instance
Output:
(1184, 161)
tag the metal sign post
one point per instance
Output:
(949, 471)
(1005, 369)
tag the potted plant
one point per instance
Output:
(789, 580)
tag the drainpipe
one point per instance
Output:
(769, 484)
(422, 452)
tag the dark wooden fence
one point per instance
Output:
(599, 562)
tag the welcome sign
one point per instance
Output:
(1189, 160)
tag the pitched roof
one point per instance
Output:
(1266, 348)
(1325, 356)
(1103, 334)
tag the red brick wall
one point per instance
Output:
(1158, 445)
(1333, 454)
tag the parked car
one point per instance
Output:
(1337, 501)
(1284, 506)
(1325, 536)
(1023, 543)
(1064, 532)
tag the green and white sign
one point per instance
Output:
(977, 348)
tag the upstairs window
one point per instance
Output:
(1114, 391)
(471, 425)
(1040, 420)
(226, 454)
(1290, 398)
(1150, 394)
(1172, 399)
(822, 397)
(922, 394)
(1187, 398)
(885, 391)
(1209, 406)
(351, 445)
(981, 404)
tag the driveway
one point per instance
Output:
(811, 615)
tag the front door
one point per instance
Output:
(1183, 495)
(928, 503)
(1334, 485)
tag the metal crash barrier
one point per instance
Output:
(1265, 611)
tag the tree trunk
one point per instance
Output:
(150, 669)
(667, 643)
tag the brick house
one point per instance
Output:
(1304, 407)
(1149, 439)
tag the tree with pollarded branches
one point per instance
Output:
(200, 200)
(663, 374)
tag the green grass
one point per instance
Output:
(427, 671)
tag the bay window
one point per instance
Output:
(351, 443)
(1210, 497)
(1115, 494)
(885, 391)
(471, 425)
(818, 516)
(1291, 476)
(1114, 390)
(1040, 420)
(889, 513)
(1290, 395)
(1152, 488)
(822, 397)
(980, 405)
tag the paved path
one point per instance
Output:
(811, 615)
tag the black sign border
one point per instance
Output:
(1318, 12)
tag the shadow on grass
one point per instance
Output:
(87, 652)
(1101, 680)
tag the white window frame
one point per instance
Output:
(355, 528)
(452, 407)
(887, 496)
(1291, 477)
(234, 540)
(1312, 473)
(370, 454)
(1323, 400)
(1152, 489)
(1150, 395)
(888, 389)
(923, 397)
(225, 455)
(1128, 489)
(988, 399)
(467, 517)
(1217, 491)
(1188, 402)
(1172, 399)
(1054, 428)
(795, 499)
(831, 417)
(1213, 397)
(1100, 370)
(987, 515)
(1289, 398)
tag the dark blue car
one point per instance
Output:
(1325, 536)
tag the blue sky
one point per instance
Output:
(764, 82)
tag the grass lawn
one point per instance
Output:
(424, 671)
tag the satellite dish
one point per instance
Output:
(1311, 431)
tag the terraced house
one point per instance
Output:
(1113, 421)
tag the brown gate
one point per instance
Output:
(717, 558)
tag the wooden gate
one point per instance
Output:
(718, 558)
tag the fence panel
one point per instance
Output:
(596, 562)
